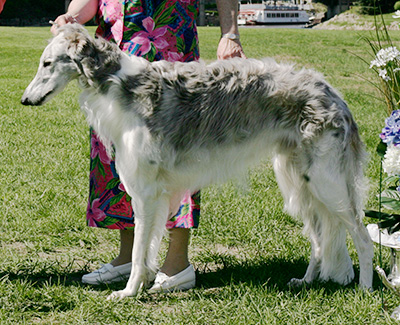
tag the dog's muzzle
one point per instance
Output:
(28, 101)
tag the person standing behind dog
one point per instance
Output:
(155, 30)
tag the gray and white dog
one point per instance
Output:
(177, 127)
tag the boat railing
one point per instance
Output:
(281, 7)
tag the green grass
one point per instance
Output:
(246, 248)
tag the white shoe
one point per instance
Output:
(184, 280)
(108, 274)
(392, 241)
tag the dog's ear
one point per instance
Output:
(81, 48)
(80, 45)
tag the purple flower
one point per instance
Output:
(391, 131)
(396, 140)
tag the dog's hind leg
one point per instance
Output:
(294, 191)
(335, 262)
(336, 181)
(329, 256)
(340, 214)
(363, 244)
(314, 266)
(150, 217)
(327, 235)
(356, 187)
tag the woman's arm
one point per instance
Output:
(79, 11)
(229, 45)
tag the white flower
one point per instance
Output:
(391, 161)
(385, 56)
(396, 14)
(377, 63)
(383, 74)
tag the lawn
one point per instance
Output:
(246, 248)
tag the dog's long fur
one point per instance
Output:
(183, 126)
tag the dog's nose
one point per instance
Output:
(25, 101)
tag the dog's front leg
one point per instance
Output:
(150, 218)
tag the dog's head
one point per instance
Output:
(62, 61)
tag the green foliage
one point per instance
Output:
(385, 220)
(397, 5)
(372, 7)
(246, 248)
(26, 9)
(381, 149)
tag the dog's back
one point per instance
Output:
(199, 110)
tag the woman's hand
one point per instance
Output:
(79, 12)
(228, 48)
(62, 20)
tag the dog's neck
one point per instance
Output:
(107, 91)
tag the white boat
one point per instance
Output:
(265, 13)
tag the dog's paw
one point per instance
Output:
(296, 283)
(117, 295)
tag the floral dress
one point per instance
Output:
(155, 30)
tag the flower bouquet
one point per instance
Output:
(386, 232)
(386, 64)
(389, 150)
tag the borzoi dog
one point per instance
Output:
(182, 126)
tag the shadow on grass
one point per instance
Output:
(272, 273)
(45, 277)
(43, 273)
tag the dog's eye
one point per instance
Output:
(46, 63)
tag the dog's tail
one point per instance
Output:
(354, 161)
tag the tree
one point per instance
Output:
(376, 6)
(24, 9)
